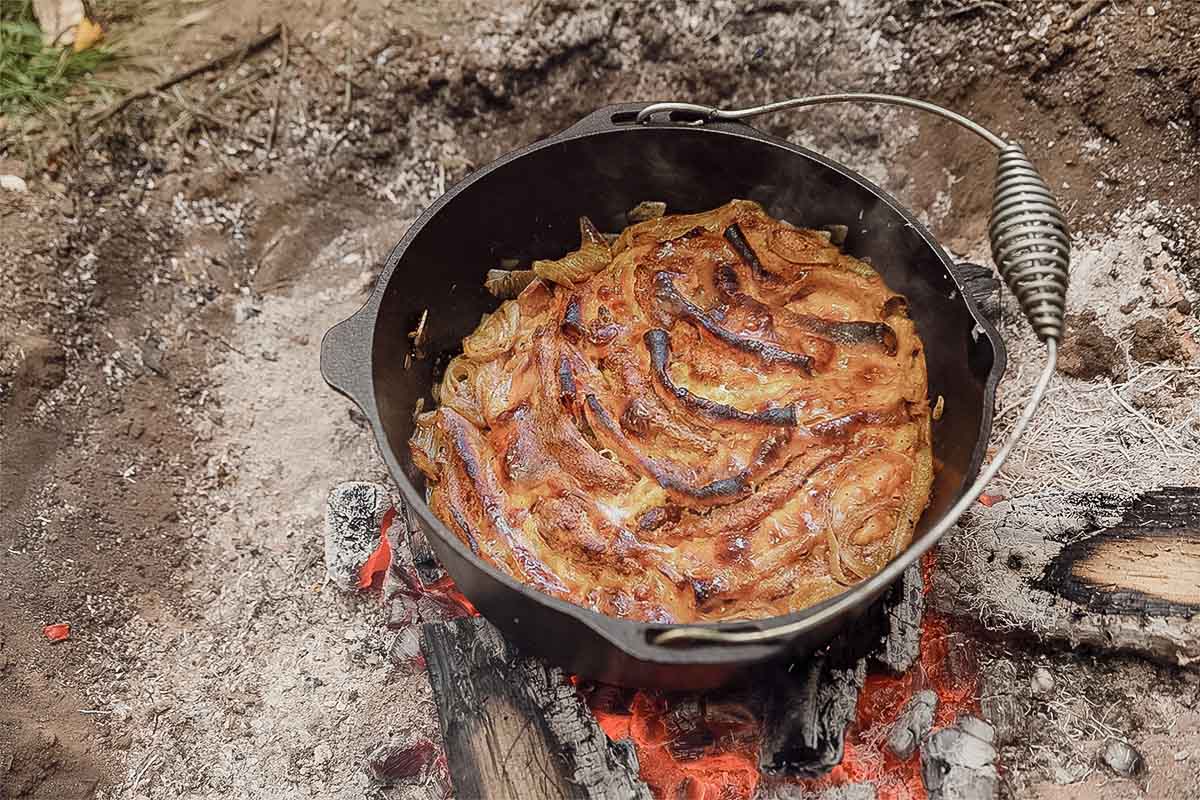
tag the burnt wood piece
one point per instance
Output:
(807, 710)
(959, 762)
(423, 558)
(1104, 571)
(983, 287)
(902, 620)
(513, 727)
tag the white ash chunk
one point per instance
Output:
(959, 763)
(913, 725)
(1122, 758)
(352, 524)
(1042, 682)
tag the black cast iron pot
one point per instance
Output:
(526, 205)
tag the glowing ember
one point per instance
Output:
(57, 633)
(452, 601)
(714, 756)
(695, 747)
(378, 562)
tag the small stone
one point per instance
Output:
(1184, 306)
(13, 183)
(322, 754)
(245, 309)
(1150, 12)
(1042, 682)
(1122, 758)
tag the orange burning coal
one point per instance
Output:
(706, 747)
(713, 753)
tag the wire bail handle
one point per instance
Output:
(1031, 246)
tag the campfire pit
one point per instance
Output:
(895, 713)
(515, 727)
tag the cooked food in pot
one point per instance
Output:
(718, 416)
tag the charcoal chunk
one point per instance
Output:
(959, 762)
(352, 526)
(913, 724)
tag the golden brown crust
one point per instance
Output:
(728, 420)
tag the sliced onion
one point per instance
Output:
(577, 266)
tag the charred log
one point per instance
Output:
(1101, 571)
(902, 619)
(807, 711)
(513, 727)
(424, 559)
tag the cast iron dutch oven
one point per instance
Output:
(526, 205)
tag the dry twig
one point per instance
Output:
(283, 65)
(1082, 13)
(253, 46)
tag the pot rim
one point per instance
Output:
(342, 365)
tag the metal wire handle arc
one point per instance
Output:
(1031, 248)
(1029, 237)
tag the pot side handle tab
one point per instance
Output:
(346, 357)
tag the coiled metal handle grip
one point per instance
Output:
(1031, 244)
(1031, 247)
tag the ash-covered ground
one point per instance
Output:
(168, 443)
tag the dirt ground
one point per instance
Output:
(168, 444)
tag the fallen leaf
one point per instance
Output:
(87, 34)
(58, 19)
(57, 633)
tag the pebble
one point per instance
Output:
(322, 754)
(13, 183)
(1150, 12)
(1042, 682)
(1122, 758)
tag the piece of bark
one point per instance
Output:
(959, 762)
(982, 284)
(513, 727)
(806, 713)
(902, 632)
(1114, 573)
(424, 559)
